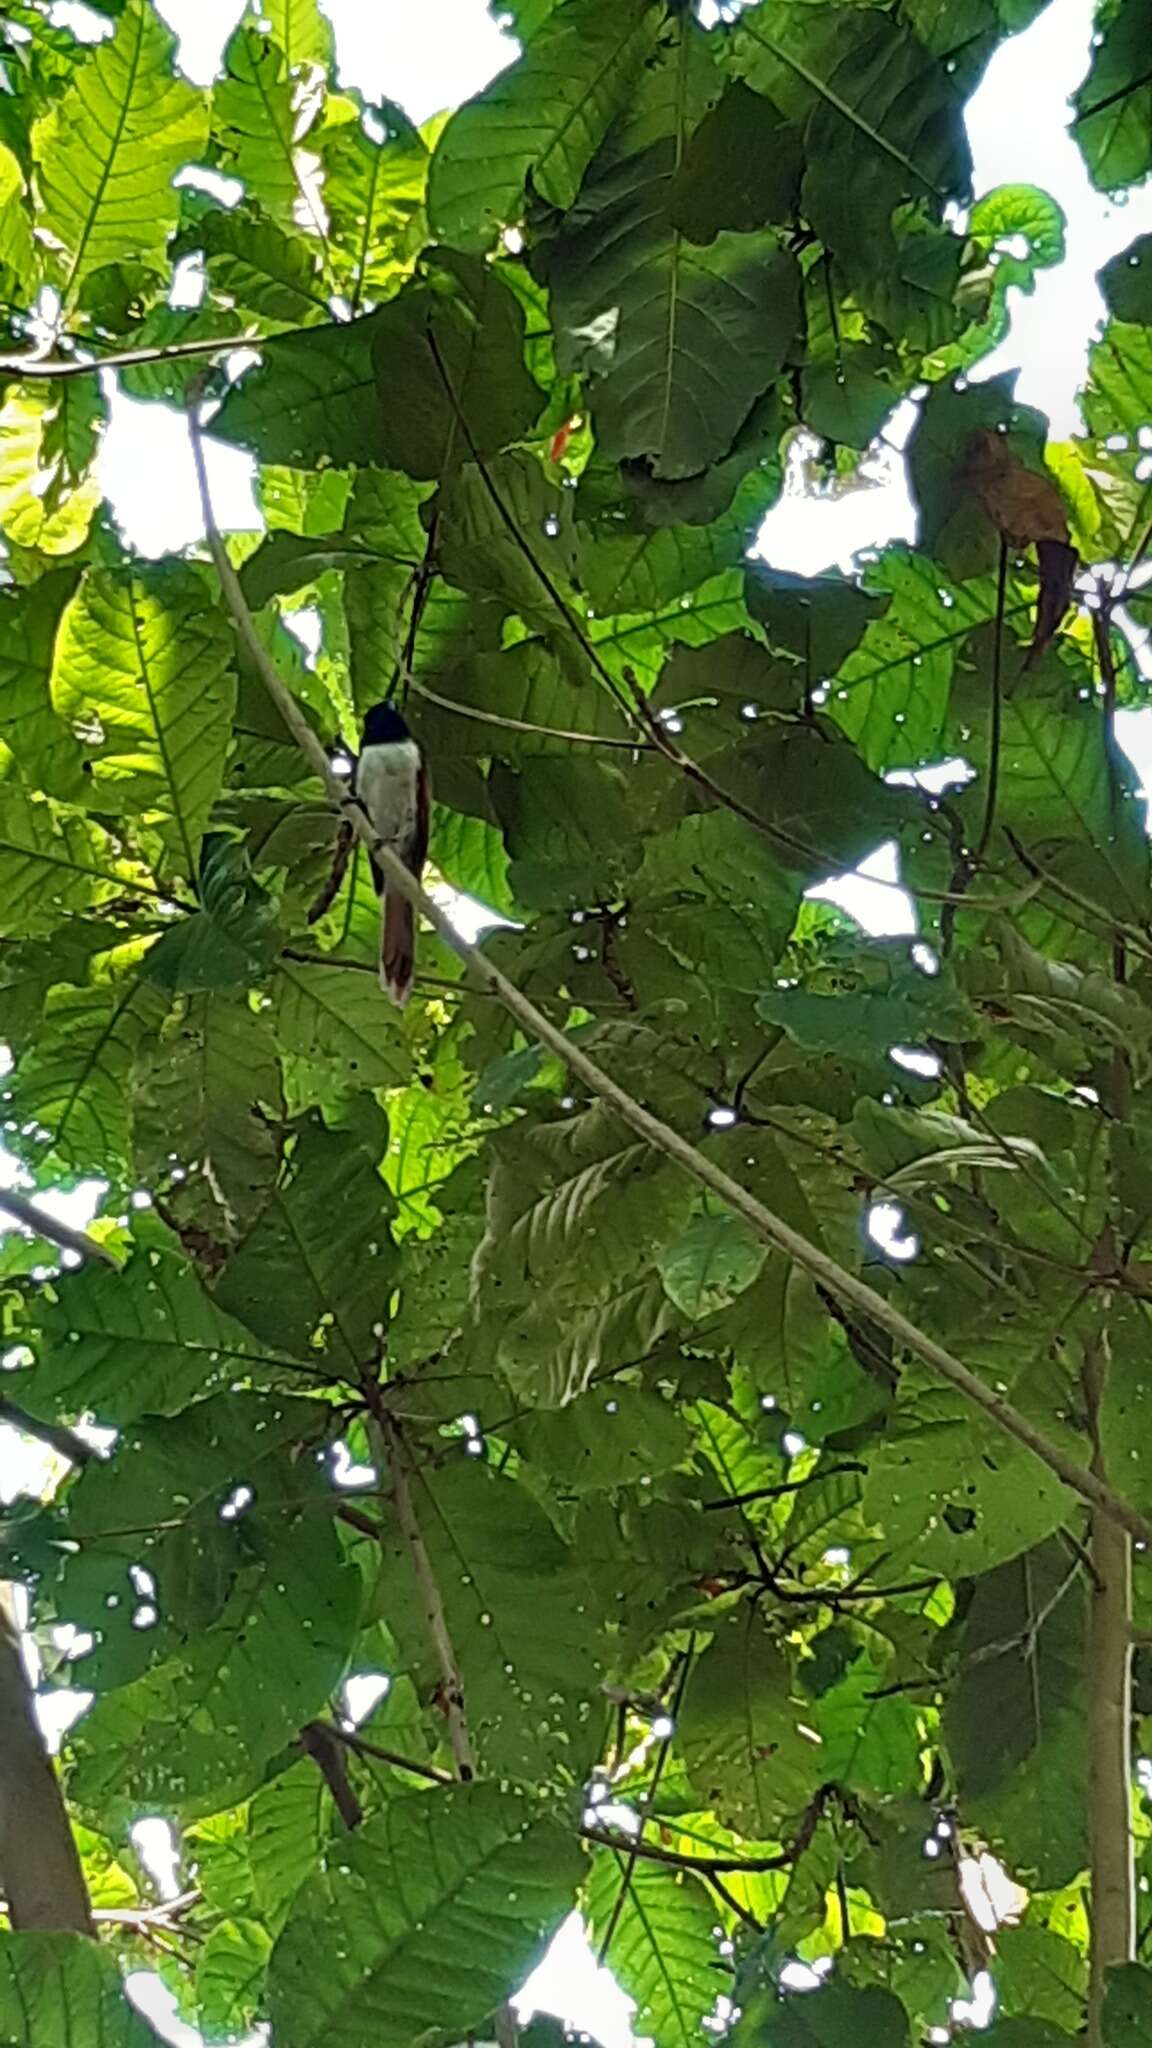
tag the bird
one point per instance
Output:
(391, 783)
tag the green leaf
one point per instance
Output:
(309, 402)
(143, 670)
(663, 1946)
(883, 119)
(743, 1747)
(53, 861)
(260, 266)
(1022, 1648)
(711, 1263)
(288, 1282)
(522, 1617)
(838, 2014)
(741, 169)
(207, 1100)
(74, 1083)
(145, 1340)
(107, 152)
(302, 31)
(606, 1438)
(421, 1895)
(573, 1207)
(16, 251)
(340, 1016)
(268, 1664)
(62, 1987)
(904, 1006)
(1127, 2006)
(450, 371)
(1126, 282)
(677, 340)
(228, 942)
(40, 507)
(289, 1822)
(254, 124)
(1113, 120)
(375, 172)
(543, 118)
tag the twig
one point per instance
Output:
(56, 1435)
(662, 1755)
(360, 1746)
(846, 1286)
(996, 714)
(38, 1221)
(708, 1866)
(545, 732)
(459, 1739)
(123, 359)
(322, 1744)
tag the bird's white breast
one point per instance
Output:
(386, 785)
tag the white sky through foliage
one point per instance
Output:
(431, 54)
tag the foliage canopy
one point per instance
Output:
(414, 1325)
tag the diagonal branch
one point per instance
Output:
(38, 1221)
(844, 1285)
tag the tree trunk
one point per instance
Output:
(39, 1866)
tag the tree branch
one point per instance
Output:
(395, 1458)
(39, 1222)
(39, 1866)
(841, 1283)
(124, 359)
(56, 1435)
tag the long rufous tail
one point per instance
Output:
(397, 947)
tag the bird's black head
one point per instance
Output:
(384, 726)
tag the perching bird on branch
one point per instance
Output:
(392, 785)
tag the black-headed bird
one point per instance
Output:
(392, 785)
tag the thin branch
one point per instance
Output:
(56, 1435)
(322, 1743)
(1112, 1911)
(996, 712)
(844, 1285)
(708, 1866)
(545, 732)
(395, 1458)
(123, 359)
(360, 1746)
(662, 1756)
(38, 1221)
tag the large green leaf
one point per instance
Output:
(54, 860)
(663, 1945)
(375, 171)
(745, 1751)
(62, 1987)
(444, 1901)
(340, 1016)
(678, 339)
(254, 124)
(260, 266)
(1022, 1648)
(145, 1340)
(522, 1618)
(316, 1270)
(544, 118)
(72, 1087)
(143, 670)
(1113, 122)
(107, 151)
